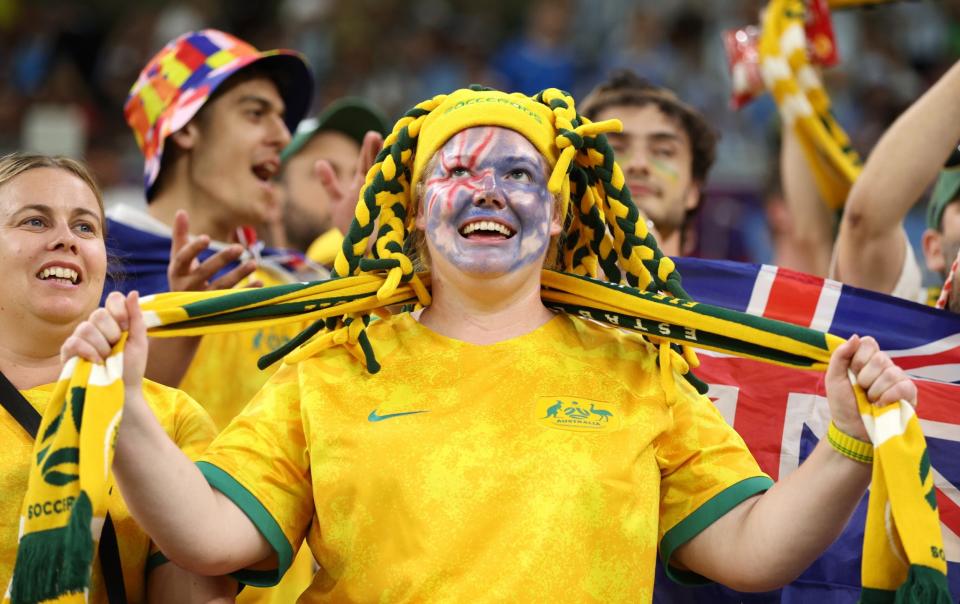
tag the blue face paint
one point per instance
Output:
(486, 205)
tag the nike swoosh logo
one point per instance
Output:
(373, 417)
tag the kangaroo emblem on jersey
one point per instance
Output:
(553, 410)
(576, 414)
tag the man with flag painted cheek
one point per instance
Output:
(486, 210)
(666, 149)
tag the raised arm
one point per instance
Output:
(768, 540)
(194, 525)
(871, 242)
(811, 219)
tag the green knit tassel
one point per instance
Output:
(924, 585)
(55, 562)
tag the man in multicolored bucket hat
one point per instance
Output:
(321, 172)
(211, 115)
(872, 249)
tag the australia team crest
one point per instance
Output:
(576, 414)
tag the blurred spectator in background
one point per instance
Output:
(321, 172)
(666, 149)
(540, 57)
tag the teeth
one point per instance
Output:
(59, 272)
(487, 225)
(265, 171)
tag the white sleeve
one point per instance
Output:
(910, 282)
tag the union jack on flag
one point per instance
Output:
(781, 413)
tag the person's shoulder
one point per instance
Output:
(167, 402)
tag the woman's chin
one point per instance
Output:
(61, 311)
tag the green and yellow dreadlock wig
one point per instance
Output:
(604, 236)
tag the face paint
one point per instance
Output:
(664, 169)
(486, 209)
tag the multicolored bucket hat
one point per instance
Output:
(179, 79)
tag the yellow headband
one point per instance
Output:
(466, 108)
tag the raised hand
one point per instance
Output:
(185, 271)
(343, 196)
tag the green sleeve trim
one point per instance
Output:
(261, 518)
(153, 561)
(705, 515)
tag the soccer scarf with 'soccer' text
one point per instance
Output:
(903, 550)
(66, 500)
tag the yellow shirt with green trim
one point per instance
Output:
(548, 466)
(184, 421)
(223, 375)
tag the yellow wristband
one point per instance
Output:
(848, 446)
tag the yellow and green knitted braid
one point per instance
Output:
(803, 101)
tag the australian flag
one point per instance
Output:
(782, 413)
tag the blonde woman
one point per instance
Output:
(54, 262)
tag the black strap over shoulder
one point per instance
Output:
(109, 552)
(19, 407)
(29, 419)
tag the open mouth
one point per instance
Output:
(60, 274)
(265, 171)
(643, 190)
(486, 229)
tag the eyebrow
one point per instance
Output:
(525, 160)
(264, 103)
(47, 210)
(664, 136)
(656, 136)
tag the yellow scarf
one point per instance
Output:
(66, 500)
(908, 561)
(803, 102)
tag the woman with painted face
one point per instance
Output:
(493, 448)
(54, 260)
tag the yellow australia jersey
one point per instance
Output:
(545, 467)
(183, 420)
